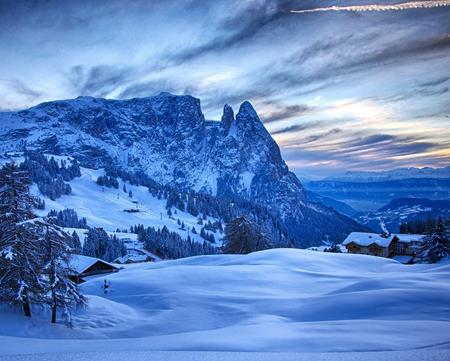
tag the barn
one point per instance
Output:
(84, 266)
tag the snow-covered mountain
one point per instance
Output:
(167, 138)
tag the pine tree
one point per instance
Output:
(19, 249)
(91, 244)
(75, 244)
(436, 246)
(58, 290)
(245, 236)
(100, 245)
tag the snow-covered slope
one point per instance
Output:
(106, 207)
(277, 300)
(167, 138)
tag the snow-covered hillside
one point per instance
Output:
(282, 300)
(107, 207)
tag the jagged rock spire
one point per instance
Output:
(247, 112)
(227, 117)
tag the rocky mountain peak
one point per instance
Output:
(227, 117)
(167, 138)
(247, 112)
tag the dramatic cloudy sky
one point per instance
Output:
(339, 88)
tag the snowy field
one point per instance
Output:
(306, 305)
(416, 355)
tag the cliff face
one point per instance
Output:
(167, 137)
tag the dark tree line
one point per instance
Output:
(418, 226)
(97, 242)
(49, 175)
(207, 236)
(100, 245)
(68, 218)
(108, 181)
(34, 252)
(170, 245)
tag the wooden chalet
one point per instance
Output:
(371, 244)
(387, 245)
(84, 266)
(408, 244)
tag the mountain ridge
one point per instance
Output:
(167, 137)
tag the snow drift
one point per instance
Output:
(276, 300)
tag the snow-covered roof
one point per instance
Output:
(132, 258)
(366, 239)
(407, 238)
(81, 263)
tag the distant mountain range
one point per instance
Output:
(167, 138)
(393, 196)
(371, 195)
(394, 174)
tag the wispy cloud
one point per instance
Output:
(336, 91)
(274, 111)
(378, 7)
(99, 80)
(291, 129)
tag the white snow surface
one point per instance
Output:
(283, 300)
(416, 355)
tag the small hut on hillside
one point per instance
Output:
(88, 266)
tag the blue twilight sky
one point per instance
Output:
(339, 88)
